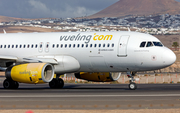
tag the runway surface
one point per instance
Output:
(91, 96)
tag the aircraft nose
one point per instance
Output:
(169, 57)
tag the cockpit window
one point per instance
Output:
(143, 44)
(149, 44)
(157, 44)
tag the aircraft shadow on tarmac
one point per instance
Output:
(23, 86)
(141, 87)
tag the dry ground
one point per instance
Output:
(168, 40)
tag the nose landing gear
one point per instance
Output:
(132, 85)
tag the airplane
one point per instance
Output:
(37, 58)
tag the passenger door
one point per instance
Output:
(122, 46)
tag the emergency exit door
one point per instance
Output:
(122, 46)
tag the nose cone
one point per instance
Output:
(169, 57)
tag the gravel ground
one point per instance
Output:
(94, 111)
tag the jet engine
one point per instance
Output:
(98, 77)
(31, 73)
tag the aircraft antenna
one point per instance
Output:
(129, 29)
(4, 31)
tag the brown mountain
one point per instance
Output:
(8, 19)
(139, 7)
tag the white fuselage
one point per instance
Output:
(94, 51)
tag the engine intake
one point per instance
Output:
(98, 77)
(31, 73)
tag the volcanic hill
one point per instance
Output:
(8, 19)
(139, 8)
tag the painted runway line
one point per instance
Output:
(69, 96)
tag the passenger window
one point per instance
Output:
(112, 45)
(108, 45)
(99, 45)
(53, 46)
(4, 46)
(82, 45)
(69, 45)
(8, 46)
(36, 45)
(57, 45)
(91, 45)
(86, 45)
(20, 46)
(143, 44)
(32, 46)
(65, 45)
(1, 46)
(16, 46)
(149, 44)
(12, 46)
(104, 45)
(74, 45)
(95, 45)
(61, 45)
(24, 46)
(78, 45)
(28, 46)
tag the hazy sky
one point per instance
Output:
(52, 8)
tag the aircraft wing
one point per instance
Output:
(40, 60)
(5, 59)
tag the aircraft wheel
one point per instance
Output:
(10, 84)
(60, 83)
(132, 86)
(56, 83)
(53, 83)
(16, 85)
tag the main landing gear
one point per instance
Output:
(132, 85)
(56, 83)
(10, 84)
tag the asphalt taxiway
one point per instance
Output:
(91, 96)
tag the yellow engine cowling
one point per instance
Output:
(32, 73)
(98, 77)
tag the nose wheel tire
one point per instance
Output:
(132, 86)
(10, 84)
(56, 83)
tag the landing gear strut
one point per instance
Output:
(132, 85)
(56, 83)
(10, 84)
